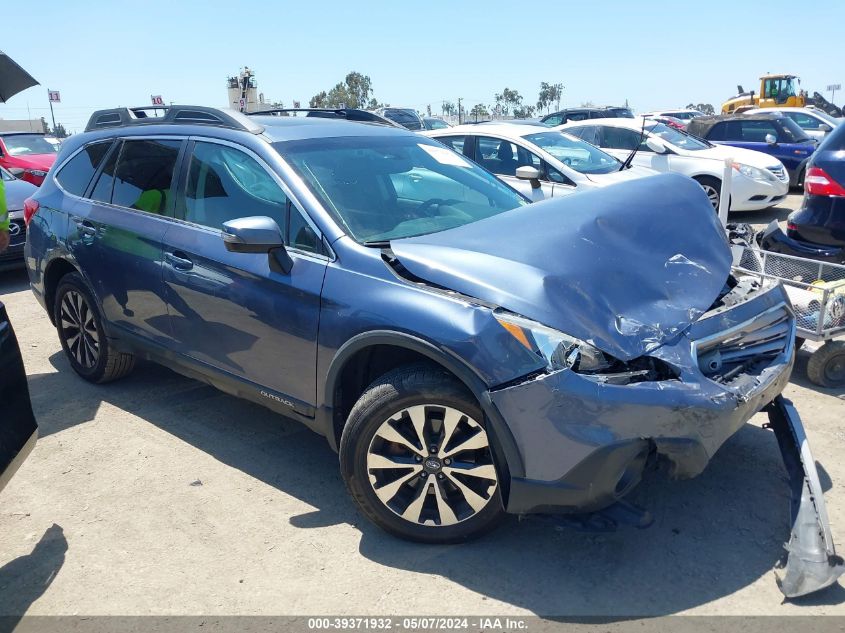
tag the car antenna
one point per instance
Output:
(633, 153)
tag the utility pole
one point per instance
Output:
(459, 111)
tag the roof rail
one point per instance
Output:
(349, 114)
(174, 114)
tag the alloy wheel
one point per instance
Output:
(79, 329)
(712, 195)
(432, 465)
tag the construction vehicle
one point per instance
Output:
(775, 91)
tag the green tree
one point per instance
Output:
(355, 91)
(523, 112)
(479, 111)
(549, 94)
(448, 108)
(704, 108)
(507, 100)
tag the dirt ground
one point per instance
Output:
(159, 495)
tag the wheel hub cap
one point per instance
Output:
(432, 465)
(79, 329)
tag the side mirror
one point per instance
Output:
(257, 234)
(824, 127)
(656, 145)
(771, 139)
(528, 172)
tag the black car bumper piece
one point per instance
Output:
(18, 430)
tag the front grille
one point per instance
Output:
(779, 172)
(747, 347)
(17, 232)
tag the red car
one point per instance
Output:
(27, 155)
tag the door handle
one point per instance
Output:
(178, 260)
(85, 227)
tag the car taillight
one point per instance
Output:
(818, 183)
(30, 208)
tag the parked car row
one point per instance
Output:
(758, 181)
(537, 161)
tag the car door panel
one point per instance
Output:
(236, 312)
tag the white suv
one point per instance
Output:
(759, 181)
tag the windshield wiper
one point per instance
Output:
(633, 153)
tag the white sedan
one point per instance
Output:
(758, 180)
(538, 161)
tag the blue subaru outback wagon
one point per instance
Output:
(466, 353)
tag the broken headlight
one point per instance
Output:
(559, 350)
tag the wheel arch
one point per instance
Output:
(56, 269)
(367, 356)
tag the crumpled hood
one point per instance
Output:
(32, 161)
(626, 267)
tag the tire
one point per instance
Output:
(712, 187)
(799, 342)
(80, 328)
(440, 503)
(826, 366)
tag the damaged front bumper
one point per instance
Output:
(584, 443)
(812, 562)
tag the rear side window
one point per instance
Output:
(621, 138)
(144, 175)
(77, 173)
(554, 119)
(756, 131)
(455, 142)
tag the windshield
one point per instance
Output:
(575, 153)
(678, 138)
(829, 119)
(381, 188)
(28, 144)
(791, 131)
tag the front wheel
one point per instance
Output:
(81, 334)
(417, 459)
(712, 187)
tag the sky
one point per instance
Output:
(656, 54)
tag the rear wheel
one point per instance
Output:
(417, 459)
(826, 366)
(81, 334)
(712, 187)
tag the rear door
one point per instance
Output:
(116, 233)
(236, 312)
(18, 429)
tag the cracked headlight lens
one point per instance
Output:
(559, 350)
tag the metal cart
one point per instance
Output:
(817, 292)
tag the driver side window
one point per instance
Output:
(225, 183)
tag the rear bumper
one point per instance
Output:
(776, 241)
